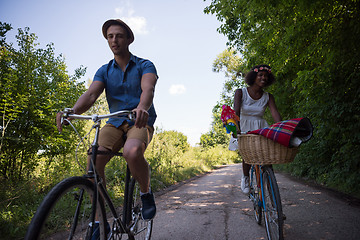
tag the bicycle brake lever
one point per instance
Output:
(132, 116)
(68, 111)
(64, 120)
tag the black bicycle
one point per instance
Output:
(73, 208)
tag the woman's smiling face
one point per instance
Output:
(262, 78)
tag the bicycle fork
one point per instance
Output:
(92, 172)
(127, 213)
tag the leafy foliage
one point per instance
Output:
(233, 67)
(217, 134)
(34, 86)
(313, 49)
(164, 154)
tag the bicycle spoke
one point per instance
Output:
(139, 228)
(66, 212)
(272, 205)
(255, 196)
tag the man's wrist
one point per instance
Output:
(143, 108)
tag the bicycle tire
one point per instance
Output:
(139, 229)
(67, 207)
(272, 205)
(255, 197)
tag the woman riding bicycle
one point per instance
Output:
(250, 104)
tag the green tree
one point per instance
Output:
(164, 154)
(217, 134)
(313, 48)
(167, 144)
(34, 85)
(232, 65)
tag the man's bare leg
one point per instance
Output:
(101, 161)
(134, 154)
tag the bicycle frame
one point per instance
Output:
(109, 202)
(256, 169)
(259, 180)
(91, 173)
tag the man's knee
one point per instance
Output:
(134, 149)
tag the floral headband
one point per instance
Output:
(262, 69)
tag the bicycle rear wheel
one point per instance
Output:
(254, 195)
(65, 212)
(272, 205)
(138, 228)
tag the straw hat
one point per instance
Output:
(110, 22)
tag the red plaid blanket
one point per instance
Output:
(283, 132)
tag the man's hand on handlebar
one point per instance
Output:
(59, 119)
(142, 117)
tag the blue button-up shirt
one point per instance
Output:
(123, 89)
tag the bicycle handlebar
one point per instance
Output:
(120, 114)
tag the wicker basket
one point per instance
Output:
(256, 149)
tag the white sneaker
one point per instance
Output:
(245, 187)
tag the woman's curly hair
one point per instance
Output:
(251, 76)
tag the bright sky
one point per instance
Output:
(175, 35)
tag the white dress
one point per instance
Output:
(252, 111)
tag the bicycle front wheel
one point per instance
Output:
(65, 212)
(139, 229)
(272, 205)
(254, 195)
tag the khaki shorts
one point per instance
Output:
(112, 138)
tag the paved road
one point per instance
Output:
(213, 207)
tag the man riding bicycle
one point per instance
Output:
(129, 83)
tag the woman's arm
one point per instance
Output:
(273, 109)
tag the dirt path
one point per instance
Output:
(213, 207)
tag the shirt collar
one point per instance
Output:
(132, 59)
